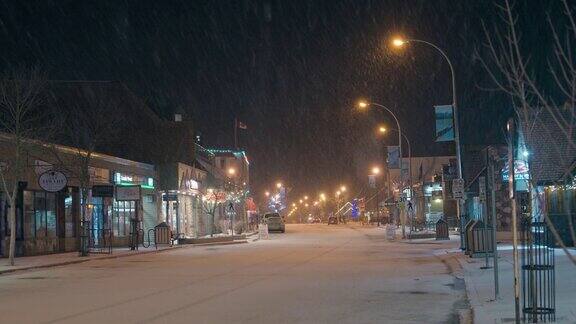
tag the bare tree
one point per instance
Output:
(211, 201)
(514, 72)
(21, 94)
(92, 114)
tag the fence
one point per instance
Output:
(538, 272)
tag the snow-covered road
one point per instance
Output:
(311, 274)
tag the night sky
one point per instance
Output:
(290, 70)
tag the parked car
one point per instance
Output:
(275, 222)
(333, 220)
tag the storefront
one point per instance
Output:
(49, 219)
(181, 199)
(434, 202)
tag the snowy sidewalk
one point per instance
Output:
(480, 287)
(59, 259)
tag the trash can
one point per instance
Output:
(442, 230)
(481, 240)
(468, 236)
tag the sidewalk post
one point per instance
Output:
(512, 194)
(493, 222)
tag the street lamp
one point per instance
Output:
(365, 104)
(382, 129)
(305, 197)
(279, 185)
(343, 188)
(400, 42)
(267, 193)
(375, 170)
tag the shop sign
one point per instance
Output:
(103, 191)
(52, 181)
(127, 193)
(521, 171)
(170, 197)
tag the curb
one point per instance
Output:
(117, 256)
(457, 270)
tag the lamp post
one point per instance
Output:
(383, 130)
(363, 104)
(399, 42)
(375, 173)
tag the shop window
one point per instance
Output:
(40, 214)
(123, 211)
(51, 214)
(44, 214)
(70, 230)
(5, 212)
(29, 230)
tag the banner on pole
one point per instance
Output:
(393, 157)
(444, 123)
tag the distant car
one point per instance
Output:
(275, 222)
(314, 220)
(333, 220)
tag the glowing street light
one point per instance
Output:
(322, 196)
(305, 197)
(231, 171)
(267, 193)
(375, 170)
(294, 205)
(279, 185)
(362, 104)
(343, 188)
(338, 193)
(398, 42)
(382, 129)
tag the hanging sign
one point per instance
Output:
(52, 181)
(372, 181)
(127, 193)
(393, 157)
(103, 191)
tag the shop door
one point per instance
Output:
(97, 221)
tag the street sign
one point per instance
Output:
(482, 188)
(458, 188)
(231, 207)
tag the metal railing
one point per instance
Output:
(538, 272)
